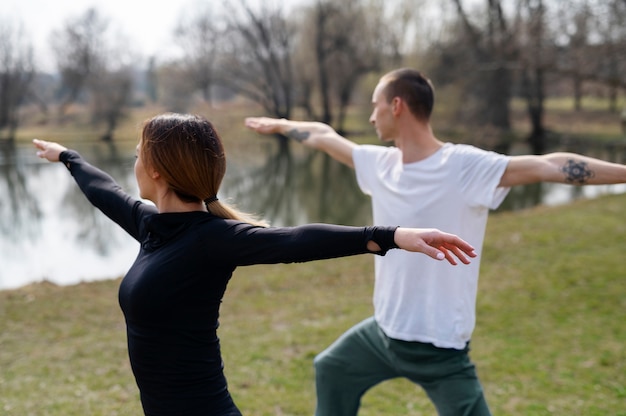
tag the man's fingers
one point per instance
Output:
(262, 125)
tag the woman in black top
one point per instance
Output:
(190, 245)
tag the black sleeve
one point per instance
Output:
(105, 194)
(257, 245)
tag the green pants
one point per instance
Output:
(364, 356)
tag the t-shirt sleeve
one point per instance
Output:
(367, 160)
(480, 176)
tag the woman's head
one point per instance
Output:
(187, 153)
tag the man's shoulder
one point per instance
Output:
(463, 148)
(470, 151)
(370, 157)
(376, 148)
(374, 151)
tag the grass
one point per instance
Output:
(549, 340)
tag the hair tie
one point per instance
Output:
(210, 199)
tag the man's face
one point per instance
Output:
(382, 117)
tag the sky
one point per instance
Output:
(147, 24)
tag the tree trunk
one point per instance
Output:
(533, 85)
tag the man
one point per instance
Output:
(424, 312)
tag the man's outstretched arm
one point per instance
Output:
(562, 167)
(312, 134)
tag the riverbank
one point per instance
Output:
(549, 340)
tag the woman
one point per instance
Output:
(190, 245)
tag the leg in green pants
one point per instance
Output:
(364, 356)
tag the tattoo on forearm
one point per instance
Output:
(577, 172)
(298, 135)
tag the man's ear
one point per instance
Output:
(396, 105)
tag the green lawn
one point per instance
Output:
(550, 338)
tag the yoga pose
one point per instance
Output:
(190, 244)
(424, 312)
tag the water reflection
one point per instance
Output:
(291, 190)
(19, 211)
(50, 231)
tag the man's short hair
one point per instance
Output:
(414, 88)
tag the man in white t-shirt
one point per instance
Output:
(424, 311)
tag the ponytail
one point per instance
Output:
(222, 210)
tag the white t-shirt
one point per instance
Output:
(417, 298)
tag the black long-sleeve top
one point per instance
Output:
(171, 295)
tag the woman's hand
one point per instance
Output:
(434, 243)
(48, 150)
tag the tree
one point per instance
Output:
(255, 57)
(16, 76)
(314, 59)
(78, 49)
(96, 67)
(340, 43)
(151, 81)
(610, 25)
(510, 46)
(592, 45)
(111, 91)
(199, 38)
(534, 65)
(111, 86)
(175, 86)
(574, 22)
(493, 55)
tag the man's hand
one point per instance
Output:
(266, 125)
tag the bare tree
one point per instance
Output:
(255, 57)
(592, 45)
(198, 37)
(494, 53)
(152, 81)
(535, 63)
(16, 76)
(111, 92)
(508, 43)
(279, 61)
(610, 25)
(95, 66)
(111, 87)
(340, 43)
(175, 86)
(78, 51)
(573, 22)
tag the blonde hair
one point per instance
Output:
(188, 153)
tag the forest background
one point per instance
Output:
(321, 59)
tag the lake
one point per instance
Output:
(50, 232)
